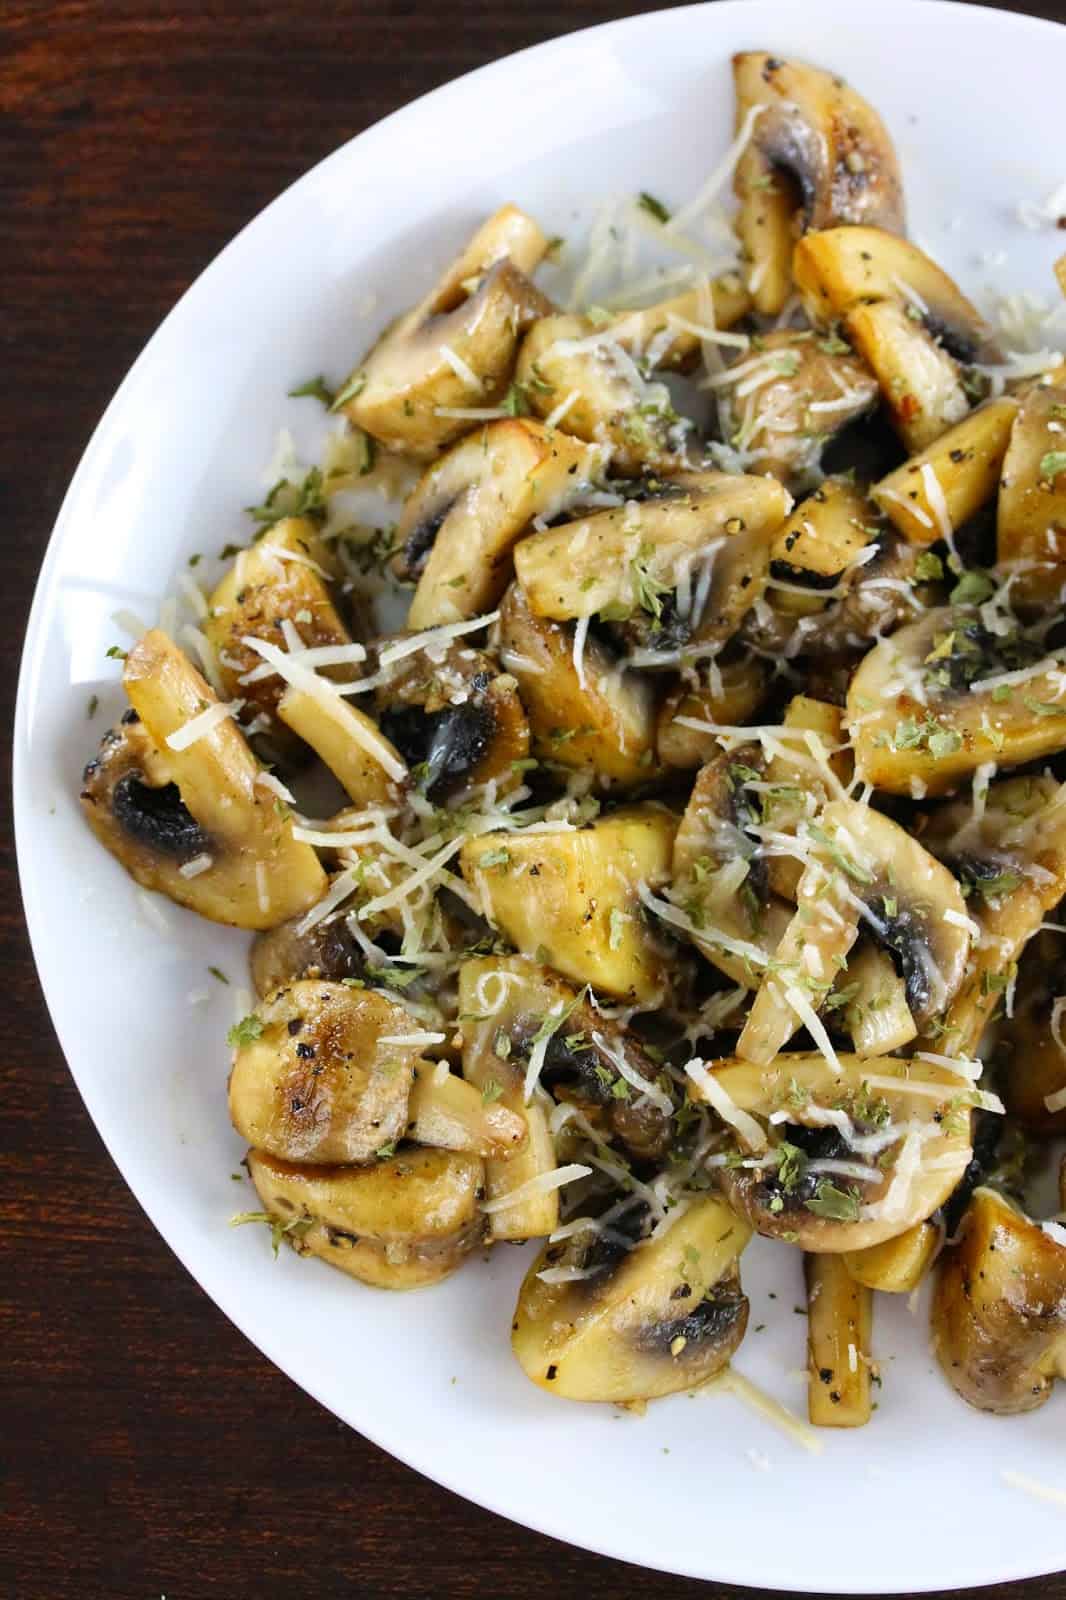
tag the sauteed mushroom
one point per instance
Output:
(1031, 526)
(193, 821)
(399, 1224)
(952, 478)
(1033, 1058)
(999, 1312)
(605, 1315)
(456, 348)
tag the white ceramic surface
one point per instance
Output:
(915, 1500)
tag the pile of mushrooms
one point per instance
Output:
(694, 853)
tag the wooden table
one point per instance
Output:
(148, 1449)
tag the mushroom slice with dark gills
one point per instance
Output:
(288, 952)
(1030, 1046)
(999, 1311)
(576, 894)
(819, 132)
(862, 868)
(322, 1072)
(1031, 511)
(602, 1316)
(720, 882)
(1010, 853)
(461, 521)
(679, 572)
(904, 315)
(837, 1155)
(945, 695)
(946, 484)
(594, 379)
(400, 1223)
(181, 807)
(454, 717)
(585, 710)
(783, 404)
(455, 350)
(725, 689)
(526, 1030)
(280, 583)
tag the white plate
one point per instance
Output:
(914, 1501)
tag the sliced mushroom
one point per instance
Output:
(999, 1311)
(823, 536)
(949, 481)
(873, 1001)
(861, 866)
(1012, 858)
(456, 348)
(825, 137)
(593, 378)
(1031, 525)
(543, 1026)
(688, 566)
(898, 1265)
(864, 1151)
(288, 952)
(365, 763)
(585, 710)
(871, 599)
(944, 695)
(282, 579)
(573, 896)
(842, 269)
(322, 1073)
(448, 1113)
(193, 822)
(461, 522)
(808, 761)
(602, 1316)
(720, 879)
(726, 690)
(453, 716)
(921, 383)
(492, 994)
(839, 1326)
(785, 403)
(1033, 1058)
(399, 1224)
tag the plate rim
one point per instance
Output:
(964, 13)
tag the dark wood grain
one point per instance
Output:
(148, 1450)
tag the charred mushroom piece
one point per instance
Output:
(603, 1317)
(592, 379)
(322, 1073)
(1012, 858)
(281, 581)
(448, 1113)
(725, 691)
(454, 350)
(784, 404)
(946, 484)
(861, 865)
(945, 695)
(720, 879)
(1032, 1079)
(574, 895)
(859, 1151)
(189, 818)
(687, 566)
(898, 1265)
(843, 269)
(460, 523)
(999, 1311)
(1031, 527)
(402, 1223)
(839, 1326)
(457, 721)
(823, 136)
(585, 710)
